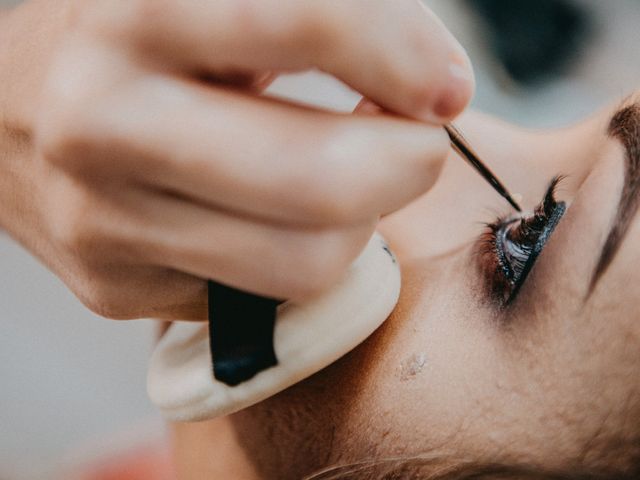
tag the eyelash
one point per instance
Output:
(510, 246)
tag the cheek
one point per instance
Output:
(310, 425)
(404, 391)
(332, 417)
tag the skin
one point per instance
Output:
(551, 382)
(137, 159)
(99, 180)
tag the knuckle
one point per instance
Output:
(64, 128)
(319, 24)
(332, 28)
(64, 143)
(103, 299)
(93, 231)
(141, 12)
(306, 26)
(142, 17)
(73, 225)
(124, 20)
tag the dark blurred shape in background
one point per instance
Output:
(534, 40)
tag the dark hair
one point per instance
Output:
(431, 468)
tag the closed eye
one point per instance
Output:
(510, 247)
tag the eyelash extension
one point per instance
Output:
(510, 246)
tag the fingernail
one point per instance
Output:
(460, 65)
(458, 90)
(367, 107)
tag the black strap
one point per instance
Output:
(240, 333)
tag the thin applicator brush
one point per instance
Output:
(461, 146)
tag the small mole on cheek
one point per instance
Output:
(412, 366)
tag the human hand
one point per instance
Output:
(157, 165)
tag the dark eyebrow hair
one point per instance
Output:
(625, 127)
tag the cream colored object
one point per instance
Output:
(307, 338)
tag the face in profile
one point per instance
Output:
(515, 345)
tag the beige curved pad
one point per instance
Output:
(307, 338)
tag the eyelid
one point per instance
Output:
(551, 225)
(503, 272)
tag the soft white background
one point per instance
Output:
(73, 385)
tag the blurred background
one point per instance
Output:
(73, 385)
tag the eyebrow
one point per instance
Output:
(624, 127)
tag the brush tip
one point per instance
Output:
(513, 203)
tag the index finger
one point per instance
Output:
(397, 53)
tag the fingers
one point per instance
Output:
(252, 156)
(128, 245)
(262, 258)
(136, 292)
(398, 53)
(262, 195)
(97, 244)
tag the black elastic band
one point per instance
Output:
(240, 333)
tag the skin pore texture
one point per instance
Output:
(551, 381)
